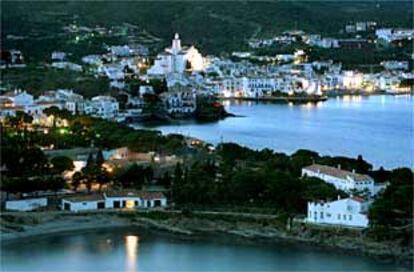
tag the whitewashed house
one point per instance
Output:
(58, 56)
(145, 89)
(92, 60)
(105, 106)
(25, 205)
(341, 179)
(115, 200)
(83, 203)
(19, 98)
(67, 65)
(180, 100)
(134, 199)
(350, 212)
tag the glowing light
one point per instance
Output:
(130, 204)
(131, 248)
(108, 168)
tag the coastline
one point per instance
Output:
(278, 99)
(198, 226)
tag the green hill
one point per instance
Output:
(213, 26)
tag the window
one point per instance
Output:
(321, 215)
(328, 215)
(350, 217)
(344, 217)
(339, 216)
(84, 203)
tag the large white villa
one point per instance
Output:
(343, 180)
(348, 212)
(177, 59)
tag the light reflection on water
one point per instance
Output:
(158, 253)
(131, 250)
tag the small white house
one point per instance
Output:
(105, 106)
(83, 203)
(135, 199)
(341, 179)
(115, 200)
(24, 205)
(350, 212)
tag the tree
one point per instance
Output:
(77, 180)
(62, 163)
(57, 114)
(19, 120)
(393, 209)
(131, 177)
(102, 178)
(90, 161)
(99, 160)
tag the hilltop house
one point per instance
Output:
(350, 212)
(341, 179)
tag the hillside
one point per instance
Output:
(213, 26)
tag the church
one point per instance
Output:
(176, 60)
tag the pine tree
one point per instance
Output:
(99, 158)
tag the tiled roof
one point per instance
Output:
(132, 193)
(336, 172)
(85, 198)
(358, 198)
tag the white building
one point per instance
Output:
(92, 60)
(19, 98)
(341, 179)
(115, 200)
(177, 59)
(395, 65)
(58, 56)
(180, 100)
(349, 212)
(67, 65)
(105, 106)
(24, 205)
(83, 203)
(145, 89)
(120, 51)
(390, 34)
(134, 199)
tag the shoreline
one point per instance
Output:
(197, 226)
(278, 99)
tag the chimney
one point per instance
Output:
(339, 166)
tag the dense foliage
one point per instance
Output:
(212, 26)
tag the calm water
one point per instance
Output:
(378, 127)
(129, 251)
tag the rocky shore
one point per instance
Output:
(17, 226)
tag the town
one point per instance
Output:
(180, 82)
